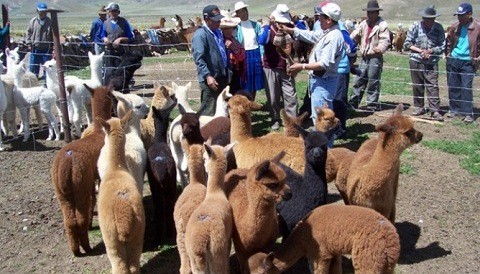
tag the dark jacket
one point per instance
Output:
(473, 34)
(40, 36)
(206, 55)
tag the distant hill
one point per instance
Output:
(143, 13)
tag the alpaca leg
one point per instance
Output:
(70, 227)
(336, 265)
(184, 260)
(38, 114)
(1, 139)
(60, 115)
(25, 123)
(88, 109)
(117, 255)
(392, 214)
(77, 118)
(321, 266)
(52, 125)
(20, 130)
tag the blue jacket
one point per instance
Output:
(4, 32)
(96, 31)
(206, 55)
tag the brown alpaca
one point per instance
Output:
(251, 150)
(330, 231)
(325, 119)
(373, 175)
(192, 196)
(335, 158)
(161, 100)
(120, 207)
(74, 171)
(290, 122)
(253, 194)
(209, 229)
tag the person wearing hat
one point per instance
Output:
(426, 41)
(39, 38)
(96, 31)
(211, 59)
(372, 37)
(325, 58)
(278, 83)
(463, 60)
(247, 34)
(116, 32)
(235, 51)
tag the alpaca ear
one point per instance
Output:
(284, 116)
(209, 151)
(302, 117)
(164, 92)
(279, 157)
(88, 88)
(125, 121)
(188, 86)
(90, 54)
(174, 86)
(181, 109)
(255, 106)
(398, 110)
(261, 170)
(302, 131)
(319, 111)
(226, 93)
(101, 54)
(155, 111)
(209, 141)
(120, 97)
(105, 125)
(387, 128)
(268, 261)
(228, 148)
(156, 85)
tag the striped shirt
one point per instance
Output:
(422, 38)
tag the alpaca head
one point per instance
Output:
(12, 56)
(96, 61)
(290, 122)
(315, 146)
(215, 157)
(162, 98)
(262, 263)
(115, 128)
(162, 114)
(398, 130)
(21, 68)
(102, 98)
(50, 67)
(326, 119)
(130, 102)
(181, 92)
(267, 179)
(189, 122)
(240, 105)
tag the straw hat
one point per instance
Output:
(228, 21)
(102, 10)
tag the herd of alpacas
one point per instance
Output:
(237, 188)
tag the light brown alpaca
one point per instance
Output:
(192, 195)
(209, 229)
(330, 231)
(325, 119)
(251, 150)
(373, 175)
(74, 171)
(120, 207)
(161, 100)
(335, 159)
(290, 122)
(253, 194)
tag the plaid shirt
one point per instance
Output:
(433, 39)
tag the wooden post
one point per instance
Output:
(61, 79)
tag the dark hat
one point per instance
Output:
(113, 6)
(464, 8)
(102, 10)
(212, 12)
(429, 12)
(372, 5)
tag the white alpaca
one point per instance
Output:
(135, 152)
(175, 132)
(25, 98)
(80, 96)
(9, 122)
(3, 106)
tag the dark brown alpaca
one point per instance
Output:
(74, 171)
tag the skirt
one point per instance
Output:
(254, 75)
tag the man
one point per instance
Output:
(39, 38)
(247, 34)
(4, 32)
(96, 31)
(278, 83)
(327, 53)
(426, 41)
(463, 59)
(210, 56)
(116, 32)
(373, 39)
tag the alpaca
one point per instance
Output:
(161, 100)
(325, 119)
(289, 123)
(192, 195)
(373, 174)
(74, 171)
(209, 229)
(24, 98)
(121, 216)
(161, 177)
(336, 160)
(330, 231)
(135, 153)
(80, 96)
(175, 132)
(251, 150)
(253, 194)
(310, 190)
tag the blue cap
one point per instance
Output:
(41, 6)
(464, 8)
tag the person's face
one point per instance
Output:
(242, 14)
(227, 32)
(42, 14)
(114, 14)
(213, 25)
(325, 22)
(428, 22)
(464, 19)
(103, 17)
(373, 15)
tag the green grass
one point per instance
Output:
(395, 77)
(405, 166)
(469, 149)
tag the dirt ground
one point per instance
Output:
(437, 206)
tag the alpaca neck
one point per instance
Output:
(386, 156)
(96, 71)
(196, 173)
(241, 128)
(315, 171)
(52, 81)
(101, 109)
(256, 205)
(116, 153)
(216, 178)
(160, 131)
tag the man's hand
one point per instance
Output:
(117, 42)
(212, 83)
(377, 50)
(228, 43)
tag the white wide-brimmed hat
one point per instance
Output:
(240, 5)
(282, 14)
(228, 21)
